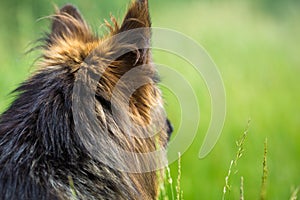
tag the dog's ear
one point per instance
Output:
(134, 32)
(132, 42)
(137, 16)
(70, 40)
(68, 23)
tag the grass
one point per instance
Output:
(258, 57)
(233, 170)
(72, 188)
(242, 189)
(179, 192)
(295, 194)
(233, 165)
(167, 187)
(263, 192)
(258, 63)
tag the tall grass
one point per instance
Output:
(167, 187)
(263, 192)
(233, 170)
(233, 164)
(179, 192)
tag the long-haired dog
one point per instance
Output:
(89, 124)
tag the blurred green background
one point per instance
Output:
(256, 46)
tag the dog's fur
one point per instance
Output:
(43, 155)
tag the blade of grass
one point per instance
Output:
(295, 193)
(72, 188)
(162, 185)
(170, 181)
(242, 189)
(263, 192)
(179, 194)
(227, 186)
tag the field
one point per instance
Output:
(256, 48)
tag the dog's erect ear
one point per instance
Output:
(137, 16)
(68, 22)
(66, 44)
(135, 32)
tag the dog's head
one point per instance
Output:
(117, 105)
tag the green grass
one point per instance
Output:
(233, 168)
(258, 56)
(263, 191)
(259, 62)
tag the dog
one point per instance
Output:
(84, 124)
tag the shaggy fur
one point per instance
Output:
(44, 156)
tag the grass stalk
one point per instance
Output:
(234, 162)
(179, 194)
(72, 188)
(170, 181)
(242, 189)
(295, 192)
(263, 192)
